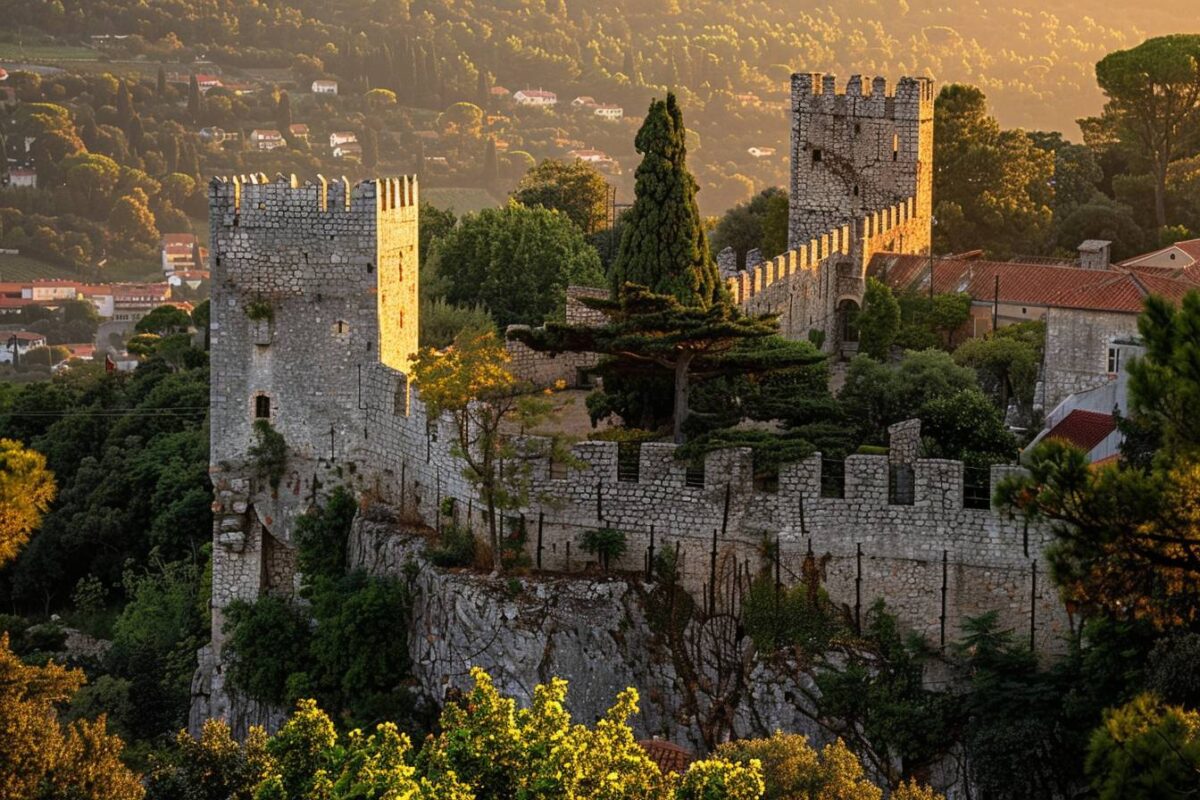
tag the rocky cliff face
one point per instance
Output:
(698, 685)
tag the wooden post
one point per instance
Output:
(942, 618)
(650, 557)
(541, 521)
(1032, 604)
(712, 576)
(438, 512)
(858, 588)
(725, 514)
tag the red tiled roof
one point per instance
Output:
(669, 756)
(1045, 285)
(1084, 429)
(178, 239)
(24, 336)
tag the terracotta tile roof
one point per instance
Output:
(1045, 285)
(669, 756)
(1084, 429)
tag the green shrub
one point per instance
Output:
(260, 310)
(799, 616)
(322, 536)
(455, 549)
(268, 642)
(268, 453)
(605, 543)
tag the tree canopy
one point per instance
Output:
(663, 244)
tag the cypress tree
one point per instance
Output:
(283, 113)
(195, 105)
(370, 147)
(161, 86)
(481, 89)
(663, 245)
(124, 106)
(491, 165)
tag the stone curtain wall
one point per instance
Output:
(548, 369)
(804, 286)
(350, 419)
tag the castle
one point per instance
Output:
(314, 315)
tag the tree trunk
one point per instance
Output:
(682, 390)
(497, 561)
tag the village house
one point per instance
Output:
(324, 86)
(761, 152)
(22, 178)
(18, 343)
(584, 101)
(342, 137)
(348, 150)
(192, 278)
(499, 92)
(132, 301)
(536, 97)
(266, 139)
(100, 296)
(609, 112)
(299, 132)
(179, 252)
(206, 82)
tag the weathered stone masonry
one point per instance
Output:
(862, 183)
(335, 268)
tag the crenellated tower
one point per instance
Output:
(313, 284)
(858, 152)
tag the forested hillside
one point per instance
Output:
(729, 62)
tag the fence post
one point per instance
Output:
(942, 618)
(858, 588)
(725, 514)
(712, 577)
(650, 557)
(1032, 604)
(541, 519)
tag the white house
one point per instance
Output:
(178, 252)
(609, 112)
(342, 137)
(348, 150)
(22, 177)
(324, 86)
(590, 156)
(584, 100)
(761, 152)
(536, 97)
(20, 342)
(267, 139)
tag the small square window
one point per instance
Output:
(262, 407)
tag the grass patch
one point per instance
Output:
(24, 268)
(12, 51)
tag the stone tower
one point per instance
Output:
(858, 153)
(312, 285)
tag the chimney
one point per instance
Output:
(1095, 254)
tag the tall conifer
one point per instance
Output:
(663, 245)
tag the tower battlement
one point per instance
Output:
(817, 93)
